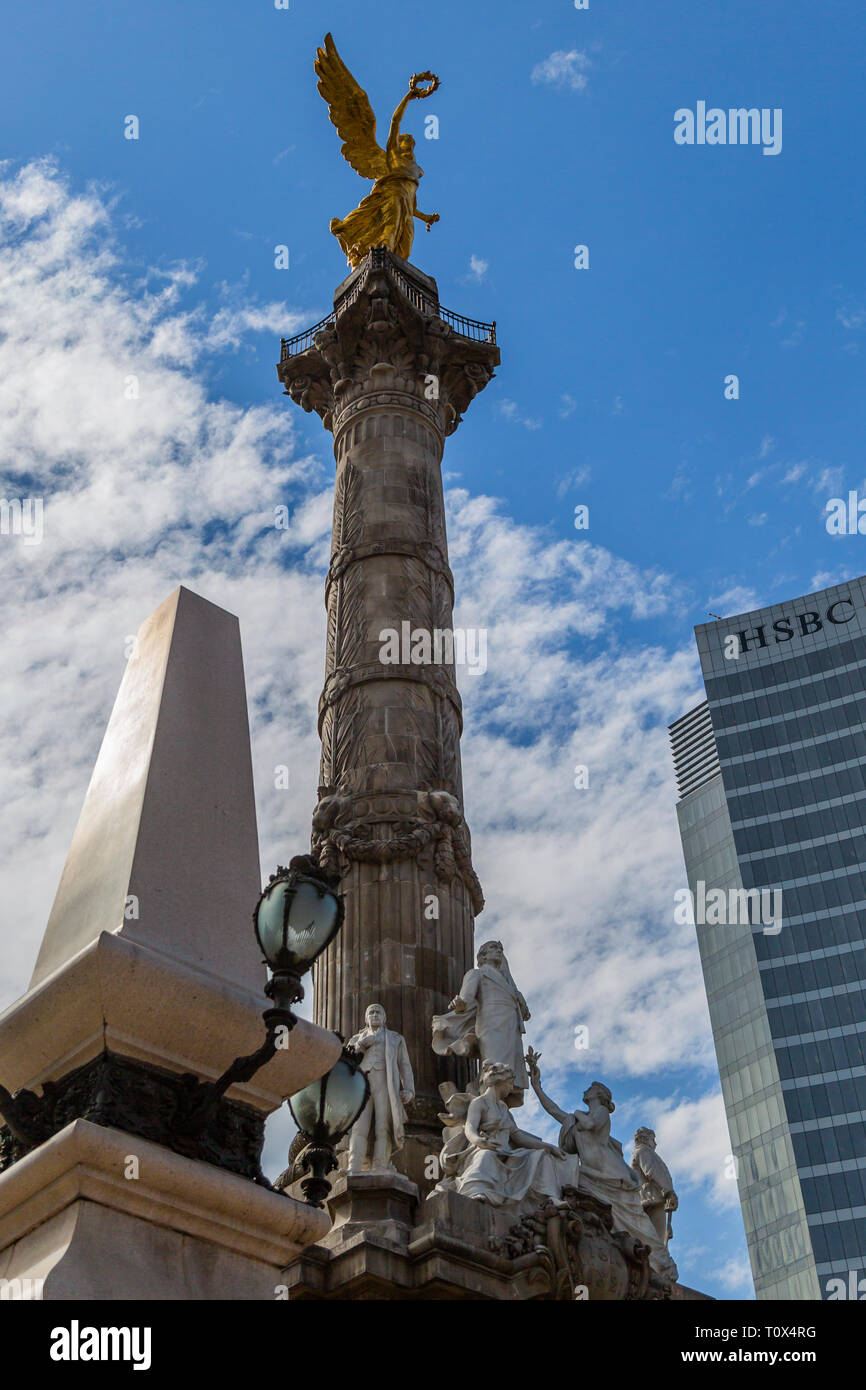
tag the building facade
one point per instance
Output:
(771, 772)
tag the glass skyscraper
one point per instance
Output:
(771, 772)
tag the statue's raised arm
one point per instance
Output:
(416, 92)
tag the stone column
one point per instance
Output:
(391, 374)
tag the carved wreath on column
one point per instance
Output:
(440, 822)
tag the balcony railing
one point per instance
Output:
(474, 329)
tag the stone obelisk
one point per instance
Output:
(148, 983)
(391, 373)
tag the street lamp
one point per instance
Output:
(324, 1112)
(297, 915)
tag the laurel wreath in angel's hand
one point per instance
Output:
(418, 91)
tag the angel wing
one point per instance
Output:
(350, 111)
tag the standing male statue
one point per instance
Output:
(385, 1062)
(657, 1194)
(486, 1019)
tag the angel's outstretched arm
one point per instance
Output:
(397, 117)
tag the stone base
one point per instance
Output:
(386, 1243)
(144, 1005)
(73, 1216)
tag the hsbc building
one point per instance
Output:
(771, 771)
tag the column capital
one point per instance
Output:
(389, 343)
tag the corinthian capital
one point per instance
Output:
(389, 342)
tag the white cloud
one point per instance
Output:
(511, 411)
(736, 599)
(564, 69)
(735, 1274)
(829, 481)
(230, 325)
(680, 487)
(477, 267)
(572, 481)
(768, 444)
(796, 335)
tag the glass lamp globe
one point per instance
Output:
(327, 1108)
(298, 914)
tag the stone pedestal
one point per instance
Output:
(73, 1217)
(387, 1243)
(391, 375)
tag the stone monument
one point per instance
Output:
(479, 1209)
(391, 374)
(603, 1172)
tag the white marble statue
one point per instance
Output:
(658, 1198)
(601, 1170)
(490, 1159)
(385, 1062)
(486, 1019)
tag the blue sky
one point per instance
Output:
(555, 129)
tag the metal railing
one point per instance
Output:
(290, 347)
(475, 329)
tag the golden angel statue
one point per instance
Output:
(385, 216)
